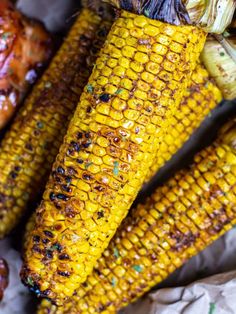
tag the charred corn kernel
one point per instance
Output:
(199, 99)
(178, 232)
(30, 146)
(114, 200)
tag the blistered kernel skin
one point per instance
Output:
(181, 227)
(30, 146)
(201, 96)
(132, 131)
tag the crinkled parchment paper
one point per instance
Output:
(213, 295)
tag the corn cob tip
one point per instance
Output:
(104, 10)
(31, 281)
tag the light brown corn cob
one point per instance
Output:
(136, 85)
(199, 99)
(30, 146)
(180, 219)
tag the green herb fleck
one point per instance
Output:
(40, 125)
(54, 247)
(222, 54)
(89, 88)
(226, 34)
(6, 35)
(209, 115)
(116, 253)
(119, 91)
(210, 163)
(146, 12)
(88, 164)
(48, 84)
(113, 282)
(30, 281)
(137, 268)
(212, 308)
(116, 168)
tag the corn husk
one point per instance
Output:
(211, 15)
(169, 11)
(219, 57)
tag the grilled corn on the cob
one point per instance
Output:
(25, 47)
(30, 146)
(180, 219)
(200, 98)
(136, 85)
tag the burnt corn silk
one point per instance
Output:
(131, 97)
(180, 219)
(30, 146)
